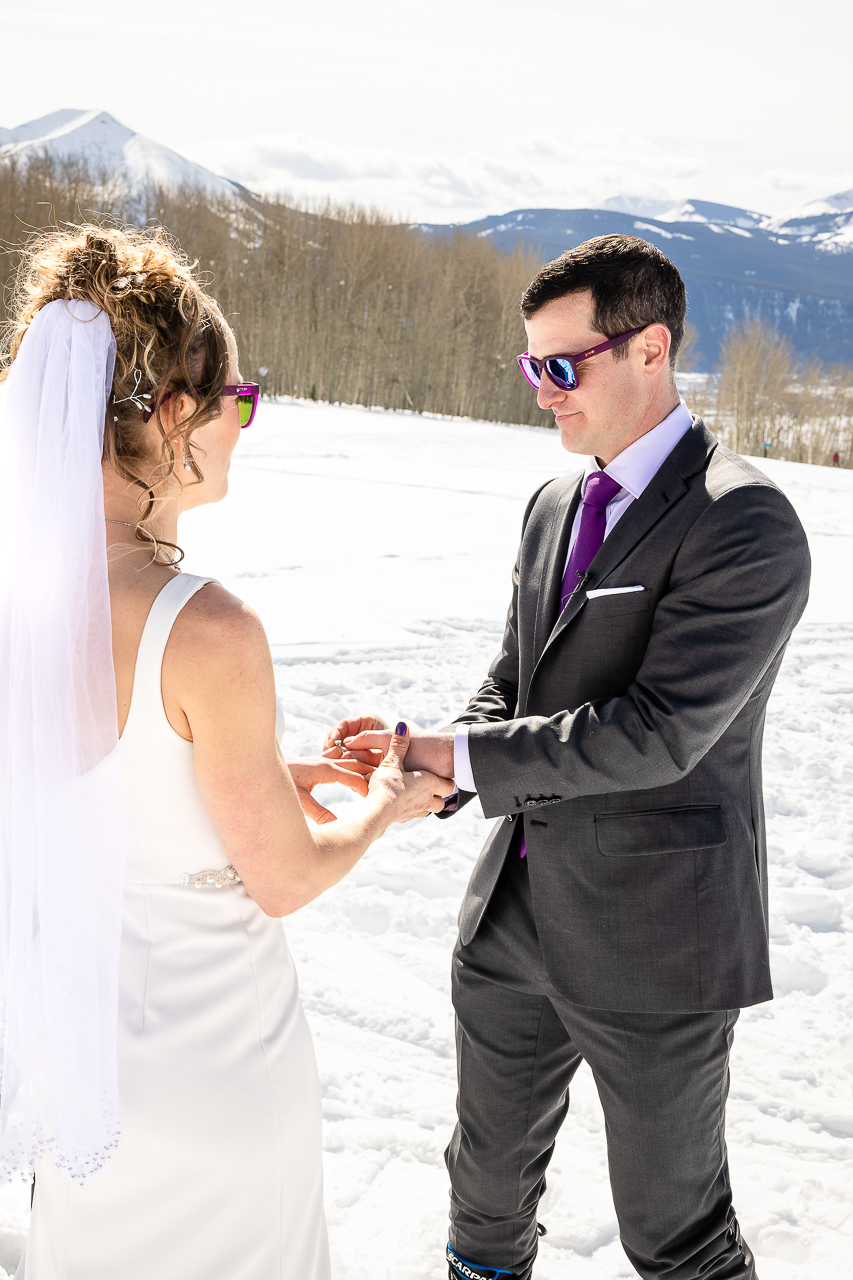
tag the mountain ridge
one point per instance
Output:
(794, 269)
(797, 274)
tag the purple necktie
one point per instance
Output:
(600, 490)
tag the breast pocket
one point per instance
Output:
(602, 608)
(650, 831)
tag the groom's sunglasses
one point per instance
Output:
(247, 394)
(563, 370)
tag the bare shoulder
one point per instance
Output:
(216, 631)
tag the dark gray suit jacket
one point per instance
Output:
(628, 733)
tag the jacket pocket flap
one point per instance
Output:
(653, 831)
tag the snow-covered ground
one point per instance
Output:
(377, 548)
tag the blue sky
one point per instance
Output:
(450, 109)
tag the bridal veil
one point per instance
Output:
(61, 821)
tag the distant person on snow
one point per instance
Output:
(836, 461)
(618, 912)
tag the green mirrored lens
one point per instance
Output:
(246, 404)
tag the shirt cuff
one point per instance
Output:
(462, 775)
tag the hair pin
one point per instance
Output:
(122, 282)
(135, 399)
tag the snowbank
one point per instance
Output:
(377, 548)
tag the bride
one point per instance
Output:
(157, 1069)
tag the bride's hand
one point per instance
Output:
(315, 771)
(348, 729)
(415, 794)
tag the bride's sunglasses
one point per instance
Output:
(247, 400)
(563, 370)
(247, 394)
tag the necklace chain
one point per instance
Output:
(138, 528)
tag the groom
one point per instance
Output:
(618, 912)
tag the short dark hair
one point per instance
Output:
(632, 284)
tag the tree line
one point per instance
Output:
(341, 303)
(767, 400)
(333, 303)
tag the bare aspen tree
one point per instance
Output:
(756, 368)
(688, 357)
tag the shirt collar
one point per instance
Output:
(637, 465)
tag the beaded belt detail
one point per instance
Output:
(212, 879)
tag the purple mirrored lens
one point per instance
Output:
(530, 369)
(561, 373)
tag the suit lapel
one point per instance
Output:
(662, 492)
(554, 560)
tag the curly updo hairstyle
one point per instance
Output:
(171, 337)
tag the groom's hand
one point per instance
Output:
(350, 728)
(432, 752)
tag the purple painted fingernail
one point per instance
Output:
(402, 729)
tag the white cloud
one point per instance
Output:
(529, 170)
(803, 183)
(535, 170)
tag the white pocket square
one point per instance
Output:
(611, 591)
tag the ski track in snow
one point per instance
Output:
(377, 548)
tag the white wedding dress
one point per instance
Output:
(218, 1171)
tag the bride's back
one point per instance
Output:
(132, 595)
(169, 834)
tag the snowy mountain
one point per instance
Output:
(796, 270)
(826, 223)
(110, 147)
(842, 202)
(705, 211)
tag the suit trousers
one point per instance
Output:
(662, 1079)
